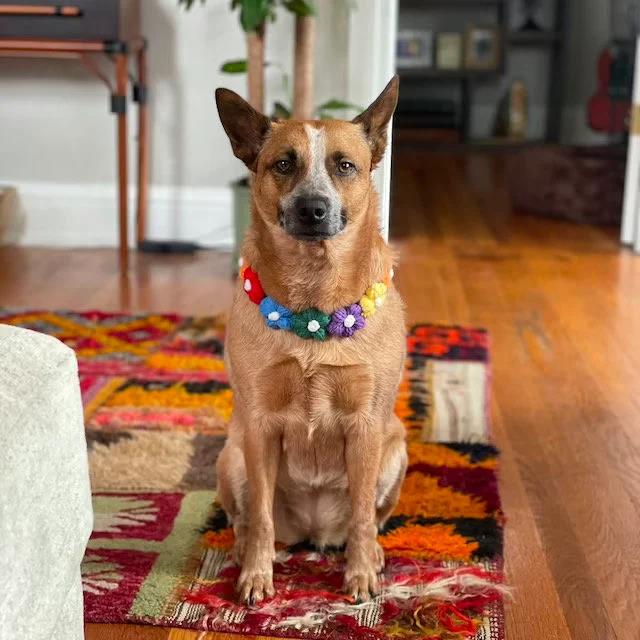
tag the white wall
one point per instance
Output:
(57, 137)
(372, 63)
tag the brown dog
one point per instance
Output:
(314, 448)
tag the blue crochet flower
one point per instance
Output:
(275, 315)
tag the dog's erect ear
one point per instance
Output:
(376, 118)
(245, 126)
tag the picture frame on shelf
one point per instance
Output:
(449, 50)
(414, 49)
(482, 48)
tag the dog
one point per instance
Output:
(314, 450)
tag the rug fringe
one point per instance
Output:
(470, 587)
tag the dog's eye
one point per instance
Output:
(283, 166)
(345, 167)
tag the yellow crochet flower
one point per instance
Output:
(373, 298)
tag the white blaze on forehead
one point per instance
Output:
(317, 177)
(316, 182)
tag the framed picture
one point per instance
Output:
(414, 49)
(449, 50)
(482, 48)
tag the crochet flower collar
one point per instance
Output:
(313, 324)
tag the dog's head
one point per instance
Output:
(311, 179)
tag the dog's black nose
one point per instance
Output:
(311, 211)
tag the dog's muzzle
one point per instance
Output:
(312, 218)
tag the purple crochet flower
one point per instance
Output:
(346, 321)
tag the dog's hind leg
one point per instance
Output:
(392, 472)
(232, 493)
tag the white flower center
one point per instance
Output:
(247, 285)
(274, 316)
(313, 326)
(349, 321)
(379, 302)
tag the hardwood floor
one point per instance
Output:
(562, 306)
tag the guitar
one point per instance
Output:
(609, 107)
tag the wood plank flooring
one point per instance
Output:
(562, 304)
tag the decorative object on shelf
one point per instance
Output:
(482, 48)
(512, 116)
(449, 50)
(530, 8)
(414, 48)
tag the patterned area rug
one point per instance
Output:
(156, 403)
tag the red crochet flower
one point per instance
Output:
(251, 285)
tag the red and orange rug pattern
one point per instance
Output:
(157, 400)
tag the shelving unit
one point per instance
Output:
(511, 41)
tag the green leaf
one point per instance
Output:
(334, 105)
(253, 13)
(234, 66)
(237, 66)
(302, 8)
(281, 111)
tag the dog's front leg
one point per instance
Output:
(363, 452)
(262, 443)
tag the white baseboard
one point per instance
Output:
(86, 215)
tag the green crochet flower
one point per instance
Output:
(310, 324)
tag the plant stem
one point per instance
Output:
(304, 67)
(255, 67)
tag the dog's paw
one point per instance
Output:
(365, 560)
(254, 585)
(361, 582)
